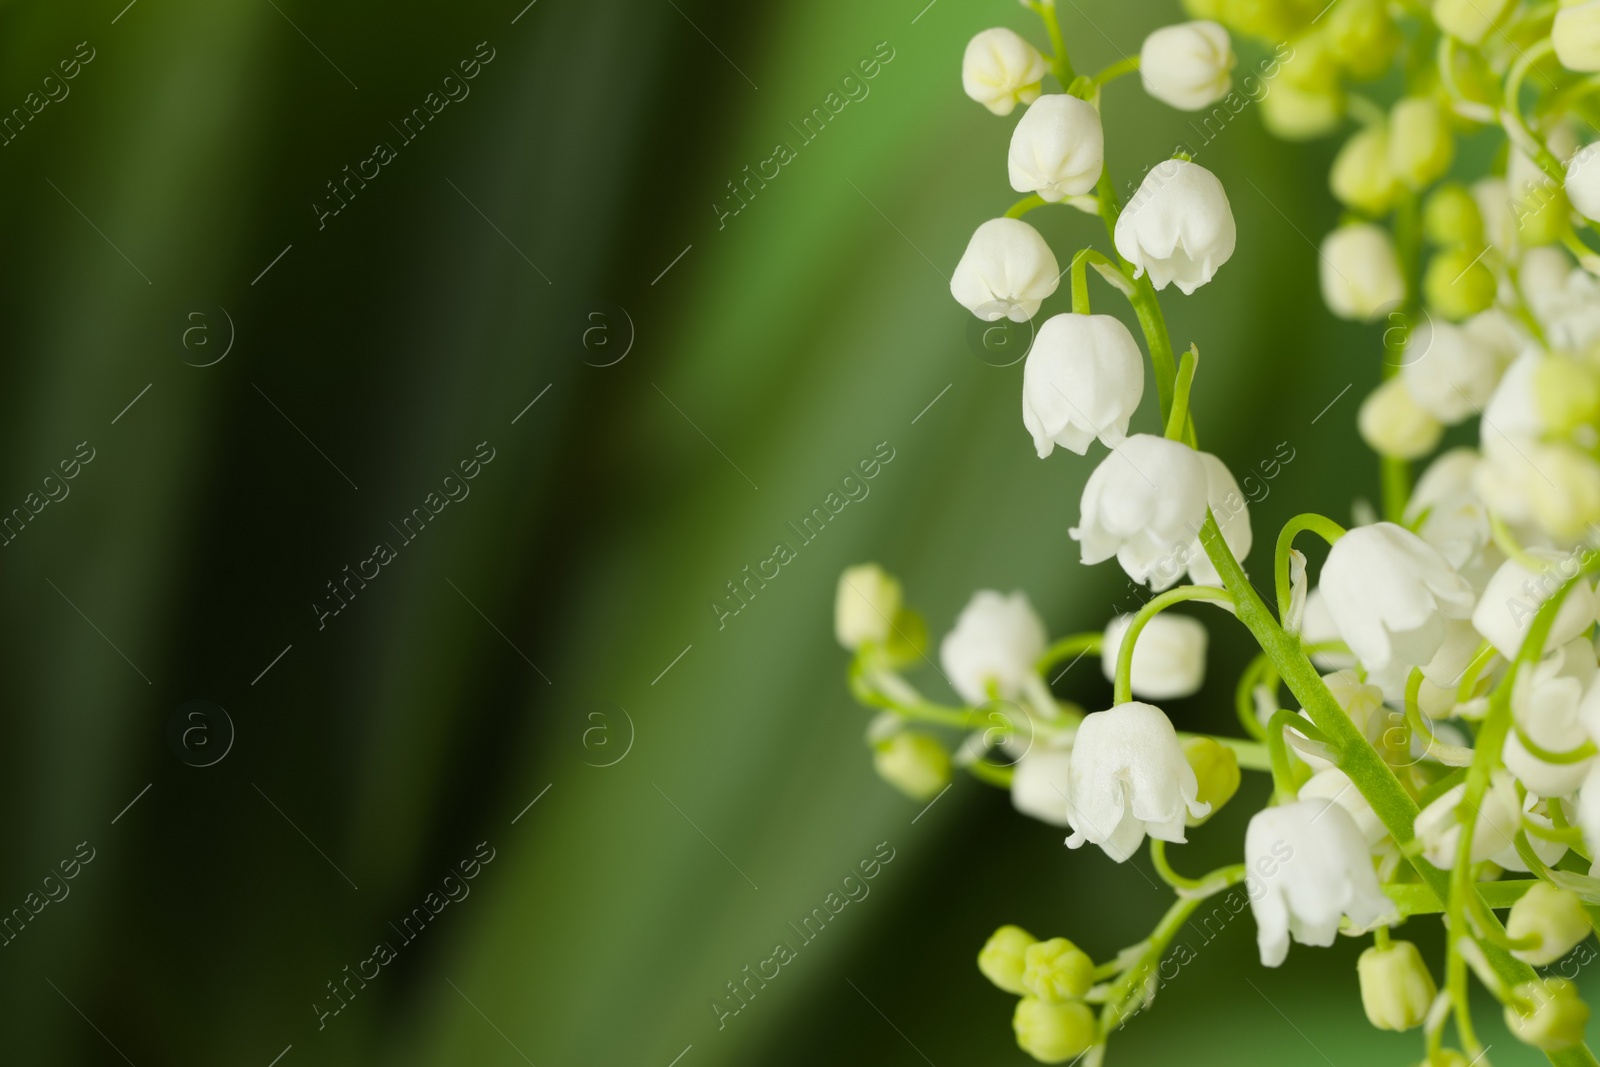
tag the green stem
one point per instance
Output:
(1178, 420)
(1320, 525)
(1145, 305)
(1080, 277)
(1025, 205)
(1252, 755)
(1124, 687)
(1072, 645)
(1059, 63)
(1283, 779)
(991, 773)
(1259, 672)
(1116, 70)
(1415, 899)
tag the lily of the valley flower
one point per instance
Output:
(1129, 778)
(995, 643)
(1001, 70)
(1449, 372)
(1549, 705)
(1309, 868)
(1438, 825)
(1187, 66)
(1360, 272)
(1178, 227)
(1039, 784)
(1007, 271)
(1057, 149)
(1390, 593)
(1144, 504)
(1169, 660)
(1392, 423)
(1583, 181)
(1083, 379)
(1515, 594)
(1228, 507)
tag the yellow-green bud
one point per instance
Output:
(1565, 393)
(1446, 1057)
(1421, 145)
(1053, 1033)
(1270, 20)
(914, 763)
(864, 608)
(1554, 1017)
(1576, 35)
(1216, 768)
(1301, 114)
(1002, 957)
(1396, 988)
(1057, 970)
(1204, 9)
(1361, 176)
(908, 638)
(1469, 20)
(1457, 284)
(1558, 918)
(1538, 204)
(1450, 216)
(1362, 37)
(1565, 499)
(1392, 423)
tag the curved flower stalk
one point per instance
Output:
(1457, 737)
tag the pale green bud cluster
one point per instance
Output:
(1547, 1014)
(913, 762)
(1051, 1022)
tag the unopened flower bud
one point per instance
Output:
(1450, 216)
(1396, 988)
(1001, 958)
(1394, 424)
(1551, 1015)
(1556, 916)
(1566, 497)
(1565, 393)
(1053, 1033)
(1362, 37)
(865, 606)
(1360, 272)
(1057, 970)
(1576, 35)
(1299, 114)
(914, 763)
(1057, 149)
(1469, 20)
(1457, 284)
(1187, 66)
(1583, 181)
(1216, 768)
(1538, 203)
(1420, 142)
(1000, 70)
(1362, 176)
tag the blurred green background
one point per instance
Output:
(557, 218)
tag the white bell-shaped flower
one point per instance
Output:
(1392, 423)
(1512, 598)
(1232, 512)
(1447, 513)
(1007, 271)
(1548, 704)
(1317, 628)
(1169, 660)
(1039, 784)
(1390, 593)
(1144, 504)
(1448, 371)
(1549, 852)
(1083, 379)
(1438, 825)
(1129, 778)
(1587, 813)
(1188, 66)
(995, 643)
(1000, 70)
(1178, 227)
(1309, 868)
(1334, 785)
(865, 605)
(1583, 181)
(1360, 272)
(1057, 149)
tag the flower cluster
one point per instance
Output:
(1427, 702)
